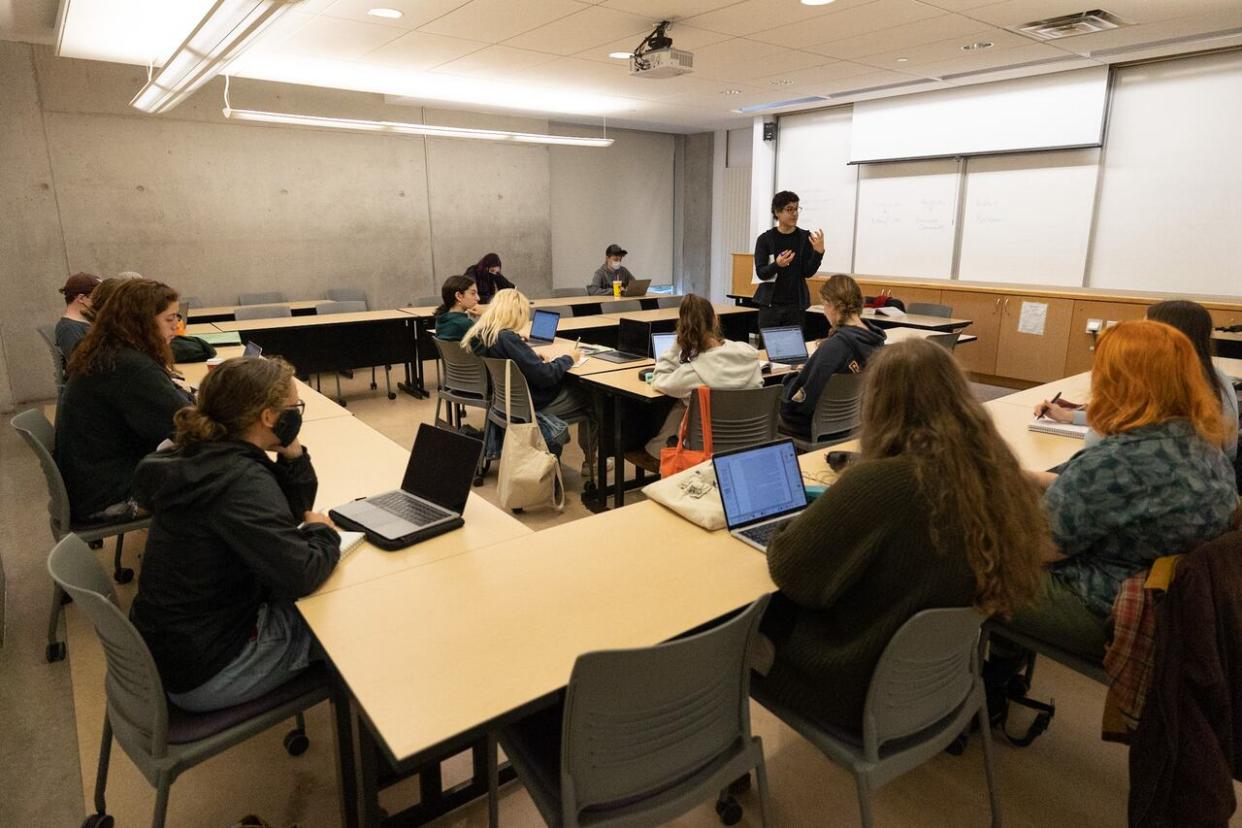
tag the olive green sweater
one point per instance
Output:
(854, 567)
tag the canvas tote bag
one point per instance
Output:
(678, 458)
(530, 475)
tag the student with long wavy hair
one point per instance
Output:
(498, 334)
(119, 399)
(459, 308)
(935, 513)
(488, 278)
(226, 557)
(1156, 484)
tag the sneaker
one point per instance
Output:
(643, 460)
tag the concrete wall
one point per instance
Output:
(696, 213)
(215, 207)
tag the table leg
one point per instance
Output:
(618, 472)
(368, 775)
(346, 769)
(414, 385)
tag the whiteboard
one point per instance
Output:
(1027, 218)
(907, 214)
(1063, 109)
(811, 154)
(1170, 212)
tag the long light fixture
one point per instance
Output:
(220, 37)
(401, 128)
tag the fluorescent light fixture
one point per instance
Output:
(620, 55)
(388, 14)
(400, 128)
(816, 2)
(223, 34)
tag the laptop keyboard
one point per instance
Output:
(764, 532)
(415, 511)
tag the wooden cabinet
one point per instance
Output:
(1081, 351)
(1033, 354)
(743, 272)
(905, 293)
(1224, 318)
(984, 311)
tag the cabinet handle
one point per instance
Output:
(1006, 307)
(996, 302)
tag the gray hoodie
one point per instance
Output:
(733, 365)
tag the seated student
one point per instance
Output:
(459, 309)
(610, 271)
(1156, 484)
(75, 321)
(701, 356)
(119, 400)
(225, 558)
(488, 278)
(1192, 319)
(100, 295)
(845, 351)
(934, 513)
(498, 334)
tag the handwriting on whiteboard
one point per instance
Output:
(927, 215)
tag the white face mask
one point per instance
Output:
(614, 265)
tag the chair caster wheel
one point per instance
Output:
(740, 785)
(342, 403)
(296, 742)
(478, 481)
(55, 652)
(374, 386)
(392, 395)
(123, 576)
(958, 746)
(517, 511)
(729, 811)
(97, 821)
(96, 544)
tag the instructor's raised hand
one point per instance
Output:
(817, 240)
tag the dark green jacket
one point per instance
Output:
(451, 326)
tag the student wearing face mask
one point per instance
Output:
(487, 277)
(234, 540)
(611, 271)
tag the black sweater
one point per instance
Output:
(785, 286)
(107, 422)
(224, 539)
(488, 283)
(543, 378)
(845, 351)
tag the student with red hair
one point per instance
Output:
(1156, 484)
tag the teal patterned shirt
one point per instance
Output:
(1131, 498)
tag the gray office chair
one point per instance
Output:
(41, 437)
(261, 298)
(740, 418)
(644, 735)
(461, 380)
(347, 295)
(929, 309)
(948, 341)
(340, 306)
(48, 334)
(262, 312)
(162, 740)
(558, 293)
(566, 311)
(357, 295)
(838, 413)
(668, 302)
(623, 306)
(923, 693)
(188, 304)
(427, 302)
(352, 306)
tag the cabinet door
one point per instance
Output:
(1033, 339)
(1225, 318)
(1081, 350)
(904, 292)
(984, 312)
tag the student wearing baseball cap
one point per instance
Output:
(74, 324)
(610, 271)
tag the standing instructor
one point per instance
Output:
(785, 257)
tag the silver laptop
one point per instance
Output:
(761, 488)
(661, 343)
(636, 287)
(253, 349)
(785, 345)
(543, 326)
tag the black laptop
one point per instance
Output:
(633, 340)
(432, 496)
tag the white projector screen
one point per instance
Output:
(1061, 110)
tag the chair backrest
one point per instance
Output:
(427, 302)
(344, 306)
(668, 302)
(565, 311)
(461, 372)
(637, 722)
(48, 334)
(41, 437)
(188, 304)
(924, 674)
(572, 291)
(623, 306)
(260, 298)
(839, 407)
(347, 295)
(929, 309)
(136, 704)
(523, 409)
(740, 418)
(262, 312)
(945, 340)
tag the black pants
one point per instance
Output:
(778, 316)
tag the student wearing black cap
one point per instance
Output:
(610, 271)
(75, 321)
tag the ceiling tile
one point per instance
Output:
(327, 37)
(882, 14)
(585, 29)
(657, 10)
(722, 60)
(497, 20)
(751, 16)
(823, 75)
(776, 63)
(495, 60)
(869, 81)
(684, 37)
(977, 61)
(900, 37)
(958, 5)
(420, 51)
(1182, 27)
(945, 50)
(414, 13)
(1017, 12)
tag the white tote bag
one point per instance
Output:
(530, 475)
(691, 493)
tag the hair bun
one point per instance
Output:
(193, 426)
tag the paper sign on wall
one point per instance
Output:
(1033, 319)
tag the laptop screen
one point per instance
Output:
(633, 337)
(661, 343)
(253, 349)
(441, 466)
(543, 325)
(784, 343)
(759, 483)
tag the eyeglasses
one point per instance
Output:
(791, 209)
(299, 405)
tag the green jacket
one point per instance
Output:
(452, 326)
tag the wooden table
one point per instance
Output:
(590, 305)
(200, 328)
(593, 365)
(318, 407)
(1077, 388)
(222, 313)
(910, 320)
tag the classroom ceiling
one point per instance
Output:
(550, 58)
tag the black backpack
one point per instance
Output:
(191, 349)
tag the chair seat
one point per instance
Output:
(185, 727)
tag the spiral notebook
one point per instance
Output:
(1046, 426)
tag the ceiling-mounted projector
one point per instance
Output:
(655, 57)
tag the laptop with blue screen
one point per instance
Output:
(543, 326)
(761, 489)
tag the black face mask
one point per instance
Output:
(288, 424)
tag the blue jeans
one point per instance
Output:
(282, 648)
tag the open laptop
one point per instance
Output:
(432, 496)
(761, 488)
(636, 287)
(661, 342)
(543, 326)
(252, 349)
(633, 340)
(785, 345)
